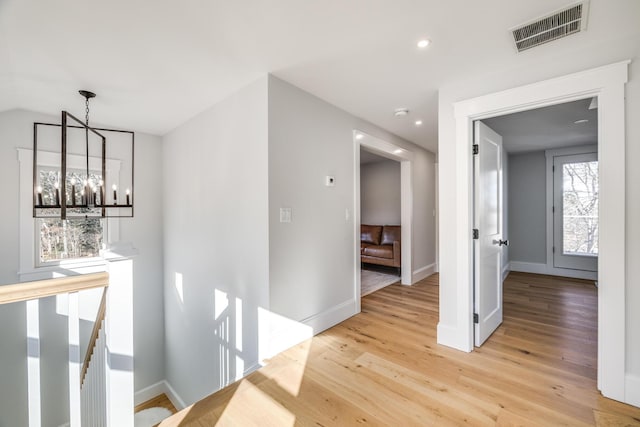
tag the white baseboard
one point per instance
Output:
(423, 272)
(157, 389)
(632, 390)
(449, 336)
(331, 317)
(149, 393)
(505, 271)
(528, 267)
(539, 268)
(174, 397)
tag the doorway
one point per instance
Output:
(545, 179)
(390, 151)
(608, 85)
(380, 215)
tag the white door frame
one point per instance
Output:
(405, 157)
(608, 84)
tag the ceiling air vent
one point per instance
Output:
(569, 20)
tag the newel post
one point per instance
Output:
(119, 336)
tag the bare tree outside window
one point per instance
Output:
(71, 238)
(580, 208)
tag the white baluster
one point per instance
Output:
(74, 361)
(33, 362)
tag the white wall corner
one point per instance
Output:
(632, 390)
(451, 337)
(173, 396)
(424, 272)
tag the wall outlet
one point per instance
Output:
(330, 181)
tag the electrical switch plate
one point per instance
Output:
(330, 181)
(285, 214)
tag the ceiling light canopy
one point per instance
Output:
(401, 112)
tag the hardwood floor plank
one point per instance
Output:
(384, 367)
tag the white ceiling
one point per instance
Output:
(547, 128)
(155, 64)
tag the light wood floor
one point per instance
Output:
(383, 367)
(161, 401)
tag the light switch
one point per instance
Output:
(285, 214)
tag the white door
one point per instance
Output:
(575, 212)
(488, 222)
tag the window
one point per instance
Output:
(580, 208)
(69, 239)
(57, 239)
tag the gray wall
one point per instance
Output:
(216, 248)
(311, 260)
(527, 207)
(144, 231)
(380, 193)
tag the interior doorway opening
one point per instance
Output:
(607, 83)
(536, 197)
(380, 217)
(386, 150)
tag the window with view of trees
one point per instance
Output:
(72, 238)
(68, 239)
(580, 208)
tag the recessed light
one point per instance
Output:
(359, 136)
(579, 122)
(401, 112)
(418, 122)
(398, 151)
(424, 43)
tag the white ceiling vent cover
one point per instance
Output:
(564, 22)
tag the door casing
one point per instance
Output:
(607, 83)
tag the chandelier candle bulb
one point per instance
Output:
(82, 198)
(115, 194)
(128, 193)
(39, 195)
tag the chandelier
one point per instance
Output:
(82, 171)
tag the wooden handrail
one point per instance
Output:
(102, 310)
(49, 287)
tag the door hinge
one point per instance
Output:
(553, 249)
(475, 318)
(476, 234)
(553, 209)
(476, 149)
